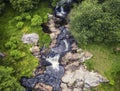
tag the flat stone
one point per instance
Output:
(72, 56)
(43, 87)
(30, 38)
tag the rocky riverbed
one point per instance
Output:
(61, 66)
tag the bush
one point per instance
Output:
(93, 22)
(17, 54)
(18, 18)
(36, 20)
(26, 16)
(12, 43)
(20, 25)
(22, 5)
(54, 2)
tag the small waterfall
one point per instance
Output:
(66, 44)
(59, 10)
(54, 61)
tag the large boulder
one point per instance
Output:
(77, 76)
(30, 38)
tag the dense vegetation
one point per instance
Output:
(19, 17)
(96, 26)
(96, 22)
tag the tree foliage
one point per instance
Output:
(2, 5)
(94, 22)
(7, 81)
(22, 5)
(20, 25)
(36, 20)
(54, 2)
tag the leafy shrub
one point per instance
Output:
(12, 43)
(26, 16)
(16, 54)
(7, 81)
(54, 2)
(20, 25)
(22, 5)
(36, 20)
(18, 18)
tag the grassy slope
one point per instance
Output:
(105, 62)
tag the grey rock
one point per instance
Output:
(81, 77)
(2, 55)
(30, 38)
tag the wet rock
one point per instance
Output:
(28, 82)
(54, 72)
(51, 77)
(61, 47)
(43, 87)
(30, 38)
(38, 71)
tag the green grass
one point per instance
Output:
(106, 63)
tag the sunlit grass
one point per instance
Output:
(104, 61)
